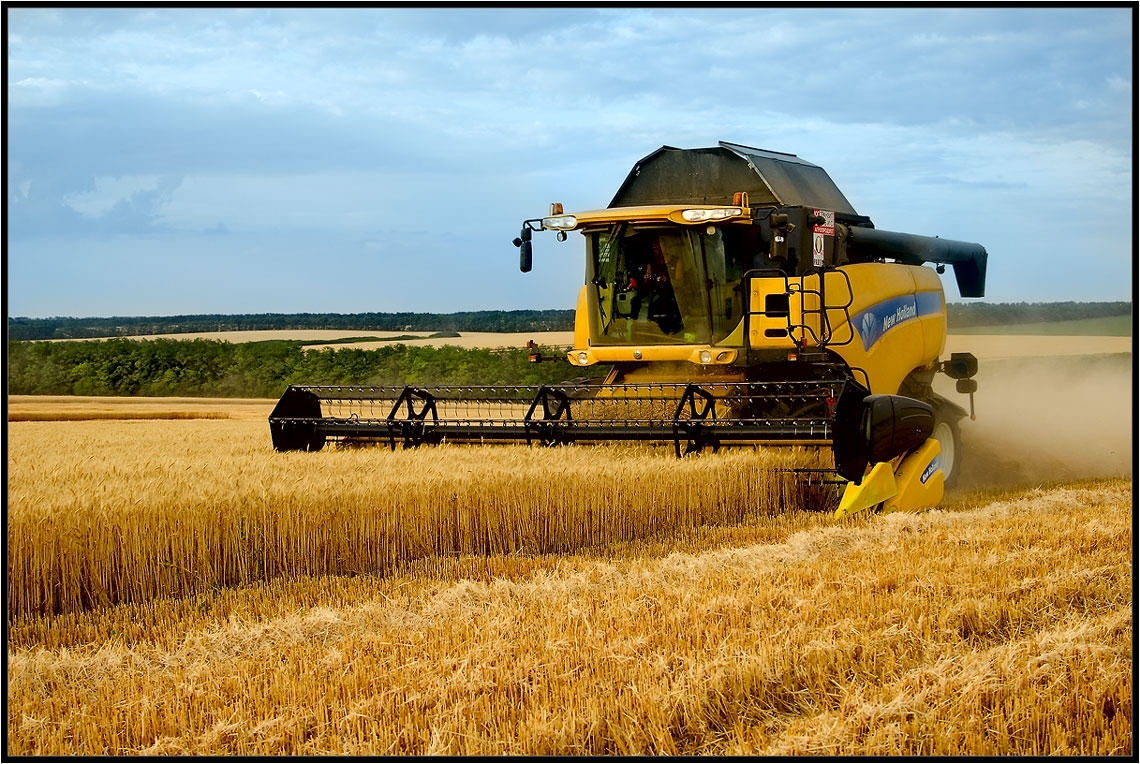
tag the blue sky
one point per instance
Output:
(163, 161)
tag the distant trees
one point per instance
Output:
(472, 321)
(258, 369)
(120, 366)
(958, 315)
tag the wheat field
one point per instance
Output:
(177, 588)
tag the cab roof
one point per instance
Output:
(710, 176)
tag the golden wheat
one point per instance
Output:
(124, 515)
(540, 601)
(63, 408)
(1003, 630)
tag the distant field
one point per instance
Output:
(80, 408)
(476, 340)
(339, 338)
(1111, 326)
(1113, 335)
(1006, 344)
(304, 335)
(1013, 345)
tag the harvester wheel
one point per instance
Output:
(949, 445)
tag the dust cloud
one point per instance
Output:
(1046, 419)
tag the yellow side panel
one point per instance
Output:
(897, 317)
(919, 479)
(898, 322)
(877, 486)
(768, 322)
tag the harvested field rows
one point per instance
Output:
(1003, 629)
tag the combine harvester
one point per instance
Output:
(738, 299)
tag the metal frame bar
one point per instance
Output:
(691, 416)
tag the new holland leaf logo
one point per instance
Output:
(868, 328)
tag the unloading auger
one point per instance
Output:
(738, 299)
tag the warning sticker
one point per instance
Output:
(817, 249)
(828, 227)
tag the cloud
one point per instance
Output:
(110, 192)
(33, 92)
(317, 130)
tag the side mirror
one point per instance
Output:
(961, 366)
(523, 243)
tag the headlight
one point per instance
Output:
(706, 356)
(583, 358)
(560, 222)
(700, 216)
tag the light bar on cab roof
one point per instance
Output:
(560, 222)
(719, 213)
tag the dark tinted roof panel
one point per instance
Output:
(713, 175)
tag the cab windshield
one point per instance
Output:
(669, 284)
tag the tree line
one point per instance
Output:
(213, 368)
(958, 315)
(119, 326)
(162, 367)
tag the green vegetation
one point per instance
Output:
(349, 340)
(120, 366)
(373, 338)
(258, 369)
(959, 315)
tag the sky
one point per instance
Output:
(165, 160)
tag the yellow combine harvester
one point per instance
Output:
(738, 299)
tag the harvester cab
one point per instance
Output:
(737, 298)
